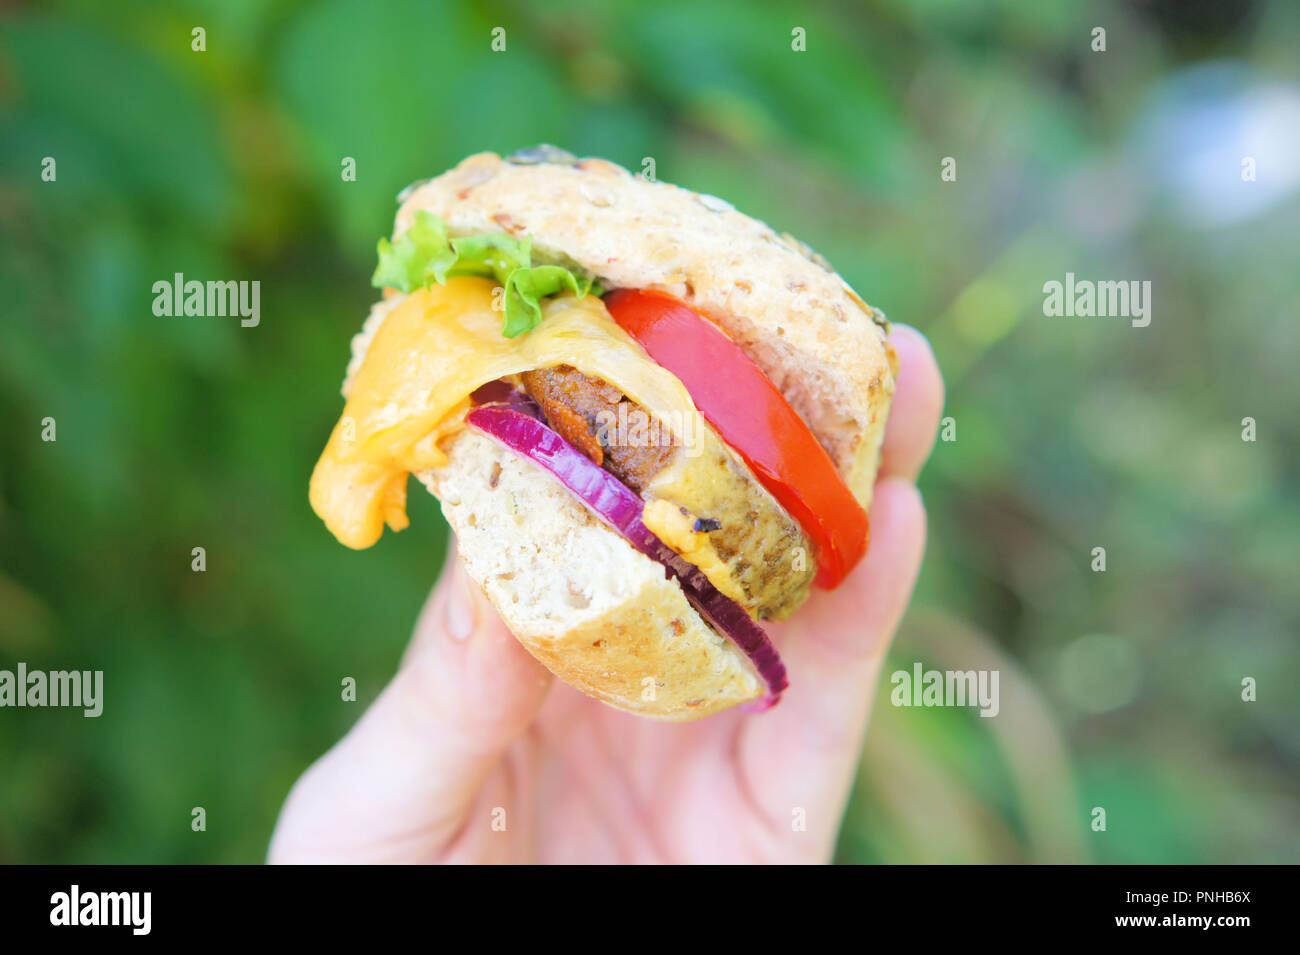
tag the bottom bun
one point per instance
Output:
(598, 614)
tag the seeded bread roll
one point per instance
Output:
(818, 342)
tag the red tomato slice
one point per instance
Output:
(752, 416)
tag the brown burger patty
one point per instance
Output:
(595, 417)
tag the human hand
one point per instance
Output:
(472, 755)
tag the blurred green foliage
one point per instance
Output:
(1119, 689)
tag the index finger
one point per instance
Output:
(918, 404)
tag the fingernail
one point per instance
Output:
(460, 611)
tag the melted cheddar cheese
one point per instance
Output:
(412, 391)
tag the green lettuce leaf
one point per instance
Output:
(426, 254)
(423, 254)
(525, 288)
(494, 255)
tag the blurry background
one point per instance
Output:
(1119, 689)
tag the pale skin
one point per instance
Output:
(474, 753)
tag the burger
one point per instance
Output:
(651, 421)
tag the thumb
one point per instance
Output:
(400, 785)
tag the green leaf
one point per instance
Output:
(496, 255)
(525, 288)
(425, 254)
(422, 255)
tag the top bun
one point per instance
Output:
(818, 342)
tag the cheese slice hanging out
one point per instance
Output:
(412, 391)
